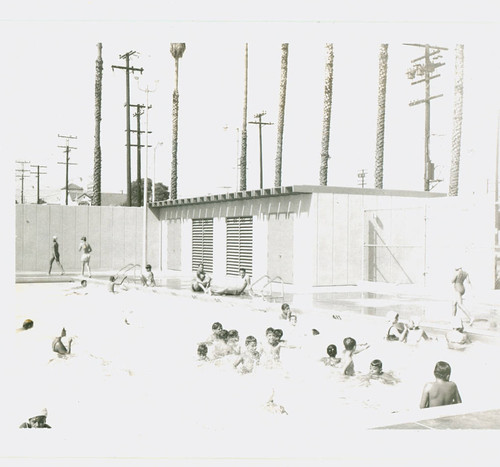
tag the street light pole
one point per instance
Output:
(154, 170)
(145, 184)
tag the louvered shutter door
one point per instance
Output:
(239, 245)
(203, 244)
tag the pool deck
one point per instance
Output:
(370, 299)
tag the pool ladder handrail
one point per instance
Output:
(127, 268)
(270, 282)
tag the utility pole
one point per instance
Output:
(67, 163)
(38, 173)
(23, 170)
(425, 66)
(361, 175)
(128, 69)
(260, 123)
(138, 114)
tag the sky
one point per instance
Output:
(51, 77)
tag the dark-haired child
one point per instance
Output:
(113, 282)
(350, 348)
(442, 391)
(249, 358)
(331, 359)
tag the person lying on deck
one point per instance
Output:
(237, 289)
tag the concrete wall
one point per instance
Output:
(114, 233)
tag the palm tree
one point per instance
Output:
(327, 111)
(177, 50)
(243, 155)
(382, 91)
(281, 116)
(457, 120)
(96, 189)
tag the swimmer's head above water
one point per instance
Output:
(349, 343)
(331, 350)
(376, 367)
(442, 370)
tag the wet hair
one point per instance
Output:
(278, 333)
(148, 266)
(202, 350)
(315, 332)
(233, 333)
(285, 306)
(331, 350)
(349, 343)
(442, 370)
(223, 335)
(376, 364)
(112, 278)
(216, 326)
(269, 331)
(84, 239)
(250, 339)
(28, 324)
(83, 283)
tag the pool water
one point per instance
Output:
(133, 368)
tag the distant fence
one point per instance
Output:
(114, 233)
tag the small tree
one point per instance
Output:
(161, 191)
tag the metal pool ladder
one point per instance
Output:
(266, 291)
(130, 267)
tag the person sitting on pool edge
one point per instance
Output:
(442, 391)
(415, 333)
(397, 331)
(148, 278)
(202, 280)
(237, 289)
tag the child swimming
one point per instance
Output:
(249, 358)
(331, 359)
(350, 348)
(377, 374)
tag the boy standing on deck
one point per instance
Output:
(442, 391)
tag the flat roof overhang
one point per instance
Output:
(294, 190)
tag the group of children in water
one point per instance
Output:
(224, 344)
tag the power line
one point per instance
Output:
(67, 163)
(128, 69)
(424, 66)
(260, 123)
(38, 173)
(22, 176)
(138, 114)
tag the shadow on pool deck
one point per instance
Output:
(484, 420)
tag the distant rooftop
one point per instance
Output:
(296, 189)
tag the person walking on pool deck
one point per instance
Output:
(86, 249)
(442, 391)
(459, 289)
(55, 255)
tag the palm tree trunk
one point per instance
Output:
(96, 189)
(457, 120)
(177, 50)
(281, 116)
(382, 92)
(327, 110)
(243, 155)
(175, 128)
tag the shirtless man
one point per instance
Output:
(237, 289)
(201, 282)
(86, 250)
(442, 391)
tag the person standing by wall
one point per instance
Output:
(55, 255)
(86, 249)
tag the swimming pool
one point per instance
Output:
(141, 377)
